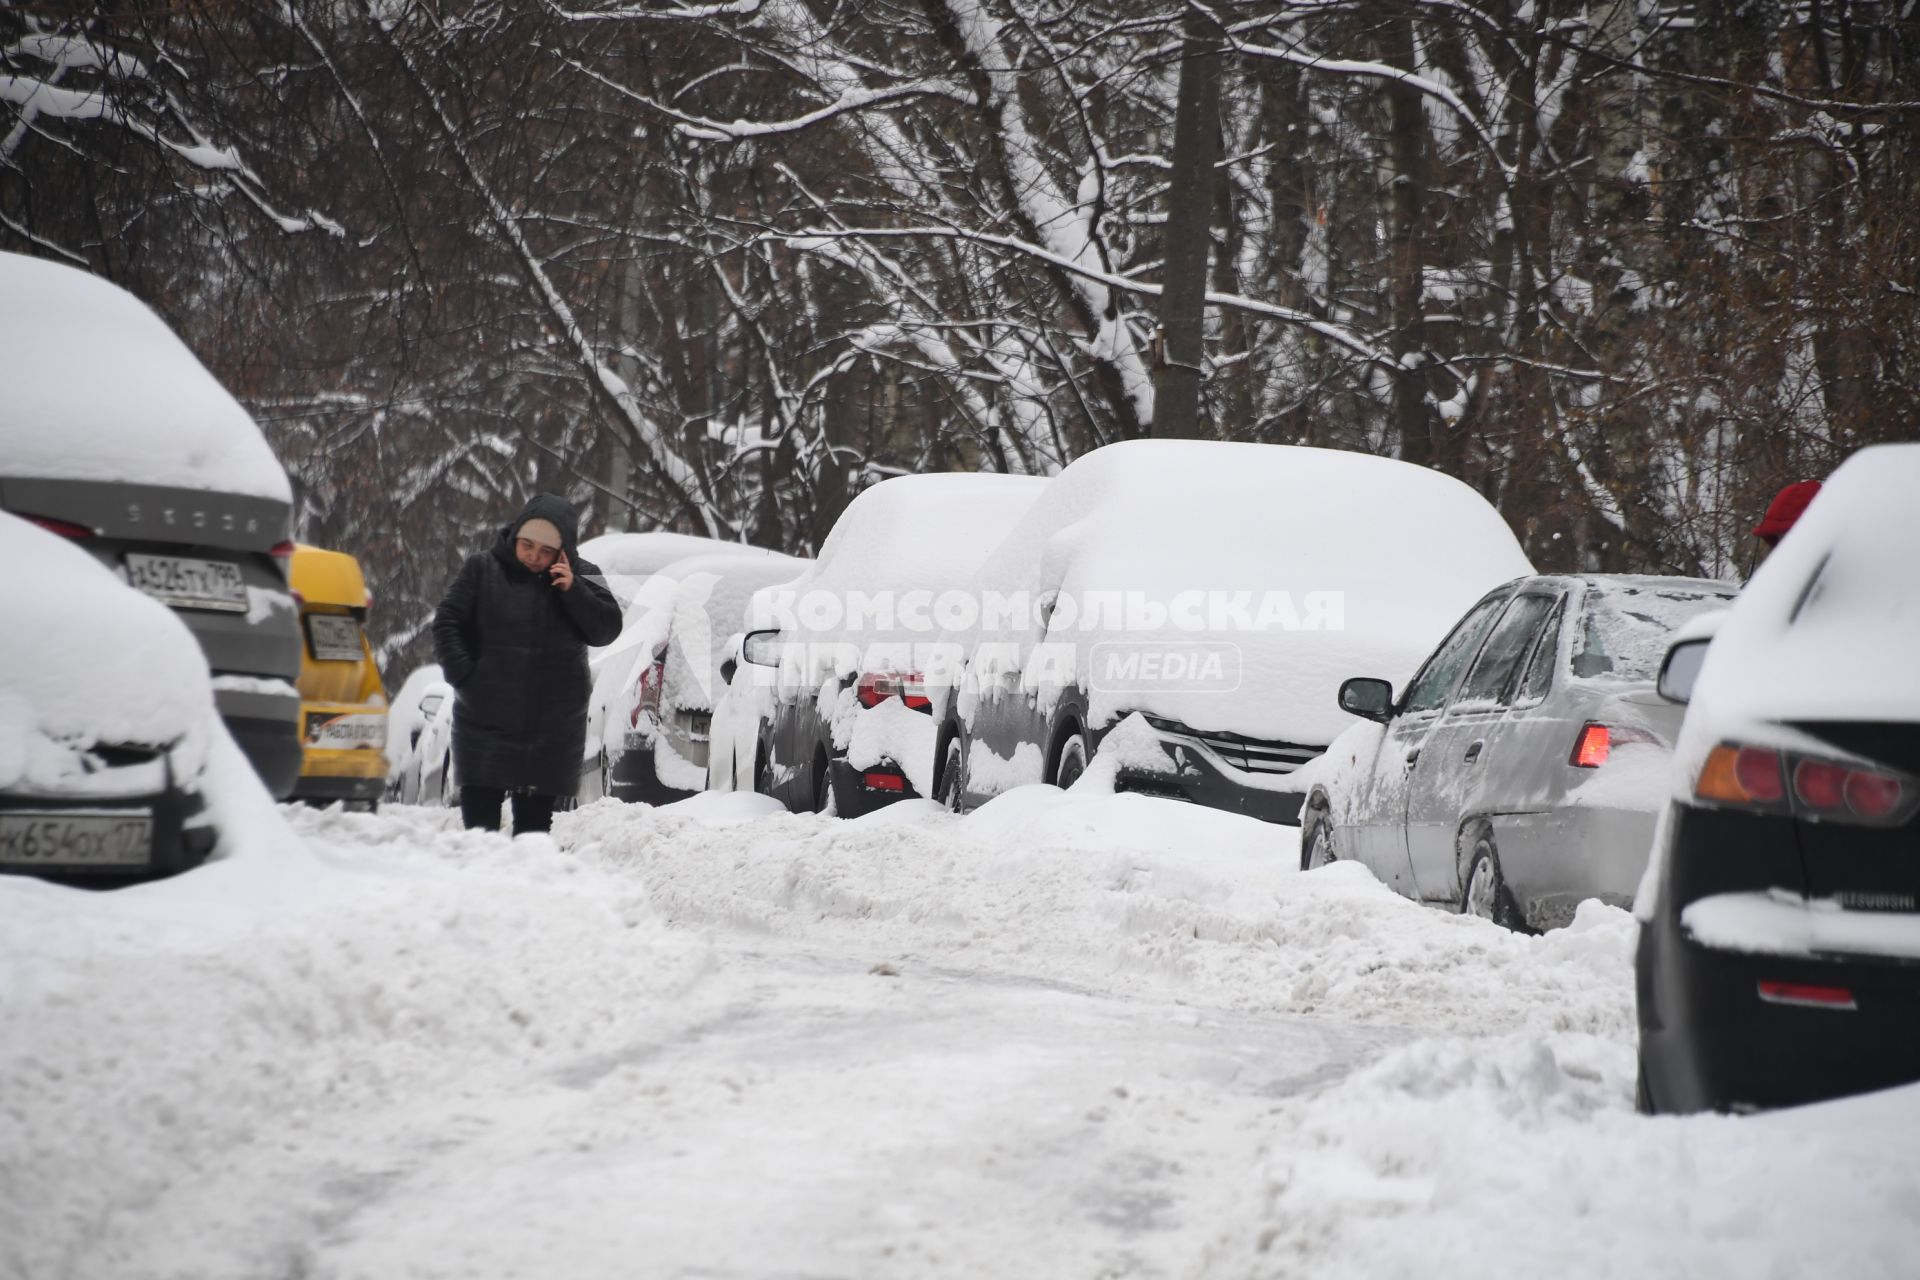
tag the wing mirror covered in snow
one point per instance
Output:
(1367, 698)
(1682, 668)
(761, 648)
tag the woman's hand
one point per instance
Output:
(562, 573)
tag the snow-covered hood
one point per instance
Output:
(97, 387)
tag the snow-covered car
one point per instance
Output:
(114, 436)
(629, 559)
(433, 775)
(832, 660)
(105, 714)
(655, 689)
(1520, 772)
(1779, 956)
(1211, 596)
(406, 717)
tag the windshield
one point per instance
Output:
(1628, 626)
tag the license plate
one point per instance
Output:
(334, 637)
(346, 732)
(77, 838)
(189, 583)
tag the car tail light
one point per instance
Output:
(875, 687)
(282, 552)
(65, 528)
(1829, 790)
(879, 781)
(1590, 750)
(646, 694)
(1807, 995)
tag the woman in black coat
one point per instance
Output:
(512, 636)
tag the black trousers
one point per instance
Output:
(480, 807)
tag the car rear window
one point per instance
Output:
(1627, 628)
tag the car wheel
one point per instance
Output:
(1485, 895)
(951, 786)
(822, 793)
(1072, 763)
(1317, 849)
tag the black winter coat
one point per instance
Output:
(514, 648)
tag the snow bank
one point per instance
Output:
(99, 388)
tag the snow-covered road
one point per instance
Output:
(1065, 1036)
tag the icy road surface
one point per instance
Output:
(1064, 1037)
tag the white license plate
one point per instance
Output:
(76, 838)
(335, 637)
(346, 732)
(188, 583)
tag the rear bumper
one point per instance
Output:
(1195, 774)
(853, 796)
(634, 778)
(1709, 1041)
(1554, 860)
(326, 788)
(266, 726)
(182, 839)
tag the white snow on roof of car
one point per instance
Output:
(1404, 550)
(1826, 628)
(99, 388)
(929, 531)
(85, 660)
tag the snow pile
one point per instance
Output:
(1517, 1157)
(99, 388)
(151, 1033)
(1154, 896)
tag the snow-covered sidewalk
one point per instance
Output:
(1064, 1036)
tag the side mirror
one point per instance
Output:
(1682, 668)
(761, 648)
(1367, 698)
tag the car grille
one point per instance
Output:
(1252, 755)
(122, 756)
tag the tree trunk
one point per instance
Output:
(1196, 145)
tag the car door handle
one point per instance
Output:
(1473, 751)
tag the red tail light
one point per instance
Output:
(1807, 995)
(646, 694)
(283, 553)
(1590, 750)
(65, 528)
(1756, 778)
(875, 687)
(884, 781)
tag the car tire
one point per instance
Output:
(1071, 763)
(1484, 890)
(822, 785)
(952, 786)
(1316, 850)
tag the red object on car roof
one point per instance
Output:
(1784, 510)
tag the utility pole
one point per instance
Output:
(1189, 237)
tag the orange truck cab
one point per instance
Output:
(343, 705)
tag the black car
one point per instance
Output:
(1779, 955)
(155, 470)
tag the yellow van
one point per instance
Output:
(343, 705)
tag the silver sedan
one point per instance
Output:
(1520, 771)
